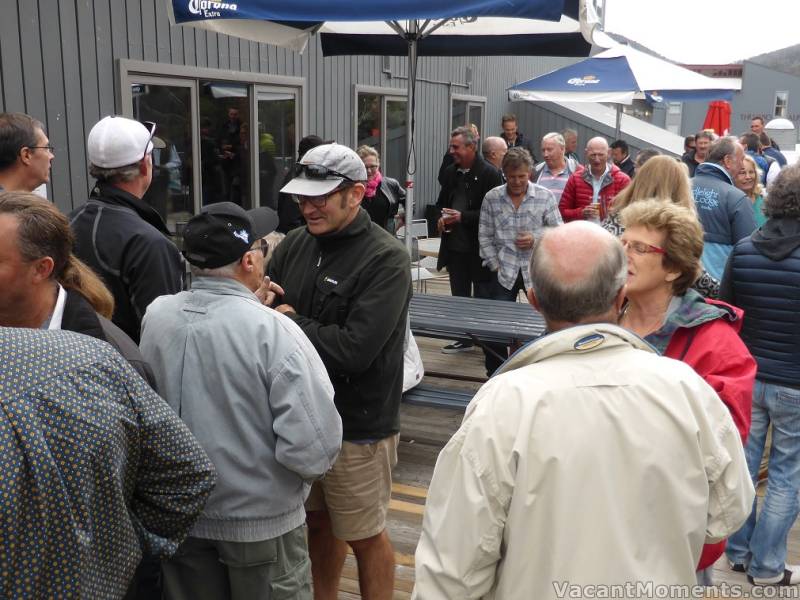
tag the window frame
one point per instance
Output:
(387, 95)
(785, 111)
(135, 71)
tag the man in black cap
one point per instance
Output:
(255, 393)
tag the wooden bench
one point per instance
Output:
(437, 397)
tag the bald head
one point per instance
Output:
(597, 155)
(494, 149)
(578, 273)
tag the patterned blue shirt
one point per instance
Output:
(94, 468)
(500, 223)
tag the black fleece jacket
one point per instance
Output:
(351, 291)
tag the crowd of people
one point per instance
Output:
(232, 428)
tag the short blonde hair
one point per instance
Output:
(660, 177)
(683, 243)
(367, 150)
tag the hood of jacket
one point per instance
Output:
(713, 170)
(585, 173)
(693, 311)
(777, 238)
(577, 341)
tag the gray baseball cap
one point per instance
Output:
(323, 169)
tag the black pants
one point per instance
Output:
(498, 292)
(467, 277)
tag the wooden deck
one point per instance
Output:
(423, 433)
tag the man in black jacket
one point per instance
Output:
(464, 184)
(347, 283)
(117, 234)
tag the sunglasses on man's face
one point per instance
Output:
(318, 172)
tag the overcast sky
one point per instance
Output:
(706, 31)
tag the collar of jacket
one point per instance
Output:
(778, 237)
(714, 170)
(110, 194)
(80, 317)
(586, 175)
(222, 285)
(693, 311)
(576, 340)
(358, 226)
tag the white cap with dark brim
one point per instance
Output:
(334, 157)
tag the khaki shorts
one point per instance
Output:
(356, 491)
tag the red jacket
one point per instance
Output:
(712, 347)
(578, 192)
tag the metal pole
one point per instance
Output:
(619, 121)
(413, 28)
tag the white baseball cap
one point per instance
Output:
(117, 142)
(323, 168)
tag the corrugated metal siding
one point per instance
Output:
(58, 62)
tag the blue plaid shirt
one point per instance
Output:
(500, 223)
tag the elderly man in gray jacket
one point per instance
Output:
(255, 393)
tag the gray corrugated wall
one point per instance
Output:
(58, 61)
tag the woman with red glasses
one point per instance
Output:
(664, 243)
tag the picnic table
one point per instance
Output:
(480, 319)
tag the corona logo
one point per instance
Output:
(583, 81)
(209, 8)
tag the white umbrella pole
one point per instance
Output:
(619, 122)
(410, 152)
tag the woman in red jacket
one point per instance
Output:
(664, 243)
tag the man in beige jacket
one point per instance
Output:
(588, 461)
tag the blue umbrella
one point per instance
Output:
(396, 27)
(619, 75)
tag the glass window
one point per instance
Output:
(382, 125)
(459, 118)
(781, 104)
(276, 143)
(225, 142)
(396, 155)
(169, 107)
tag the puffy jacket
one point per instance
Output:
(705, 335)
(351, 291)
(578, 192)
(763, 277)
(126, 242)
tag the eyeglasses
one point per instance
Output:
(642, 248)
(263, 247)
(319, 172)
(48, 148)
(318, 201)
(151, 128)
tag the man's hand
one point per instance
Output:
(268, 291)
(591, 212)
(451, 215)
(524, 241)
(285, 308)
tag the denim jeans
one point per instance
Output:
(496, 291)
(761, 542)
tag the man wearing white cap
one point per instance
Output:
(347, 285)
(117, 234)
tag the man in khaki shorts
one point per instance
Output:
(347, 283)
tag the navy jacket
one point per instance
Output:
(763, 277)
(724, 210)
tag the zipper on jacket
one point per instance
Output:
(319, 260)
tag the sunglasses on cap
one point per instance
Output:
(151, 128)
(318, 172)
